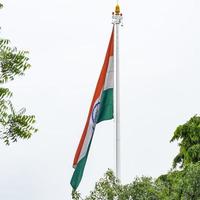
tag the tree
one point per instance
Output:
(182, 184)
(13, 125)
(189, 136)
(175, 185)
(168, 185)
(109, 188)
(190, 182)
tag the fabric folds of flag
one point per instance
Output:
(101, 109)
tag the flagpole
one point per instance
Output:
(117, 20)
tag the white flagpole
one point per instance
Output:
(117, 20)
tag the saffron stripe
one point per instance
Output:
(97, 93)
(101, 109)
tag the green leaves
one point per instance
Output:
(175, 185)
(76, 195)
(143, 188)
(191, 182)
(5, 95)
(13, 125)
(12, 61)
(189, 136)
(107, 187)
(181, 184)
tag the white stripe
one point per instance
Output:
(109, 82)
(90, 131)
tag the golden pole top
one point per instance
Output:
(117, 16)
(117, 9)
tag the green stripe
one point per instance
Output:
(78, 172)
(105, 113)
(106, 106)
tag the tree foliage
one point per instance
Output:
(13, 125)
(182, 184)
(176, 185)
(109, 188)
(189, 136)
(12, 61)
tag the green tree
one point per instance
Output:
(76, 195)
(180, 185)
(13, 125)
(175, 185)
(189, 185)
(168, 185)
(184, 184)
(189, 136)
(143, 188)
(109, 188)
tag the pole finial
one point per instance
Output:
(117, 16)
(117, 9)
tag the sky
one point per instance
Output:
(67, 40)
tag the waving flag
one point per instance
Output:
(101, 109)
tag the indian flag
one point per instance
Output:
(101, 109)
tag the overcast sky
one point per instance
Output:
(67, 40)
